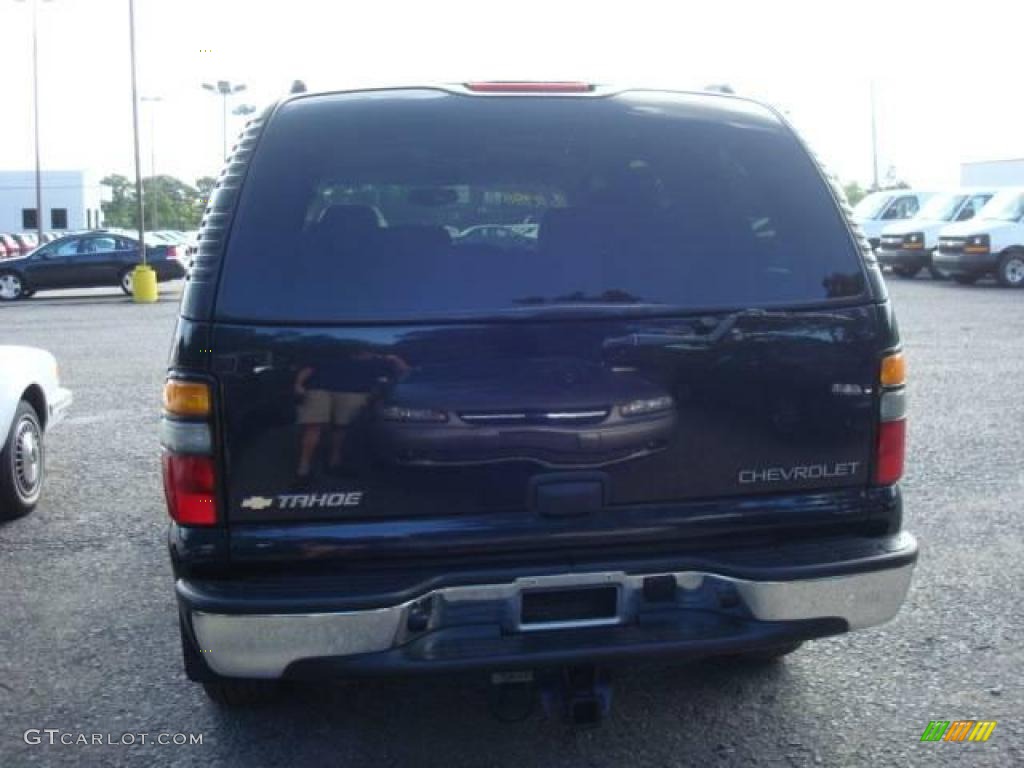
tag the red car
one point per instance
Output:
(27, 242)
(9, 247)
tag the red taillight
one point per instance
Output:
(892, 442)
(892, 420)
(172, 252)
(526, 87)
(190, 488)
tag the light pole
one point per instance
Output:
(143, 278)
(225, 88)
(874, 142)
(35, 113)
(152, 156)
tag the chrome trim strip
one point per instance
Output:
(552, 415)
(491, 416)
(262, 646)
(568, 416)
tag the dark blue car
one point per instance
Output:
(672, 423)
(90, 260)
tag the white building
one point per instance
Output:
(992, 173)
(71, 200)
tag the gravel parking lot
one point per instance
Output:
(88, 629)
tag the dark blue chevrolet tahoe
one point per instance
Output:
(651, 405)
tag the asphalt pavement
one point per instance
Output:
(88, 626)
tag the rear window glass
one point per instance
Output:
(420, 204)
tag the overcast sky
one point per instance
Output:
(949, 76)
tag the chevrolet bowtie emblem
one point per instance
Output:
(257, 502)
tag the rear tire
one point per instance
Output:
(12, 286)
(22, 463)
(239, 694)
(965, 279)
(125, 281)
(1010, 272)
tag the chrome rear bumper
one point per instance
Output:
(264, 645)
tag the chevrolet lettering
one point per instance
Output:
(807, 472)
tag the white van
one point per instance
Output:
(907, 246)
(881, 208)
(990, 243)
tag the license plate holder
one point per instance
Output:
(569, 606)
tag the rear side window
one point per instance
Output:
(420, 205)
(99, 245)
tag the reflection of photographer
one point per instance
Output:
(333, 396)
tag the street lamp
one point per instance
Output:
(225, 88)
(874, 142)
(144, 288)
(35, 113)
(152, 154)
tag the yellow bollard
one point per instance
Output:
(144, 284)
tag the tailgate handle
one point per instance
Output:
(568, 495)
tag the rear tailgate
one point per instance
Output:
(778, 403)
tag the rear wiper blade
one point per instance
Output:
(708, 331)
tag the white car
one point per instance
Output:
(992, 243)
(31, 403)
(882, 208)
(907, 246)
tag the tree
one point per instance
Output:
(170, 202)
(204, 187)
(854, 192)
(119, 212)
